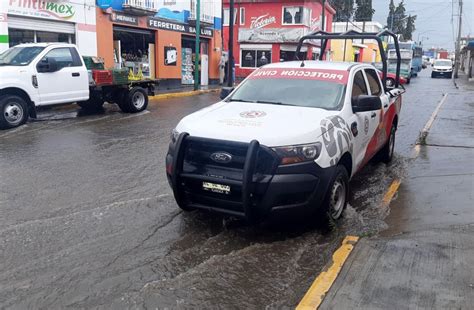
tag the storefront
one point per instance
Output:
(134, 49)
(266, 32)
(157, 47)
(49, 21)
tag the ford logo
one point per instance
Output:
(221, 157)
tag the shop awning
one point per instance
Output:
(291, 48)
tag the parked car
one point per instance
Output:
(391, 78)
(45, 74)
(443, 68)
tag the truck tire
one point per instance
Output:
(121, 100)
(14, 111)
(336, 197)
(136, 100)
(91, 104)
(386, 153)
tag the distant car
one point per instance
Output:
(442, 67)
(391, 78)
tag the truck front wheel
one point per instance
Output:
(14, 111)
(135, 101)
(336, 196)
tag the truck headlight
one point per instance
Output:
(298, 153)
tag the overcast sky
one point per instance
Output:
(434, 19)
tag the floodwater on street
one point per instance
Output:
(88, 219)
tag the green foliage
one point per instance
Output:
(399, 18)
(344, 9)
(409, 28)
(391, 13)
(364, 11)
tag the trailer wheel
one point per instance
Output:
(135, 101)
(91, 104)
(13, 111)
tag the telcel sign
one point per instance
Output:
(59, 10)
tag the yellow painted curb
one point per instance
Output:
(391, 192)
(313, 298)
(183, 94)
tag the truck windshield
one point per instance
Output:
(19, 55)
(445, 63)
(296, 92)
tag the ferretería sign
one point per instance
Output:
(157, 23)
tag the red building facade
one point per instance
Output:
(267, 31)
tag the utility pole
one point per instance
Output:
(458, 43)
(323, 16)
(323, 27)
(230, 60)
(198, 45)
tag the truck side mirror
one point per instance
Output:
(225, 91)
(365, 103)
(47, 65)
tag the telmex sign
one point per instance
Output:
(58, 10)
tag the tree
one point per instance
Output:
(399, 18)
(344, 9)
(364, 11)
(409, 28)
(391, 13)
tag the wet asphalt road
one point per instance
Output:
(87, 219)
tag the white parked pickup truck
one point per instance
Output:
(290, 136)
(34, 75)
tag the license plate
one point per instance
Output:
(216, 188)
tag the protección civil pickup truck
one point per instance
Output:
(45, 74)
(289, 137)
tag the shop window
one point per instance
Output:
(226, 18)
(290, 55)
(251, 58)
(296, 15)
(62, 56)
(19, 36)
(43, 36)
(242, 16)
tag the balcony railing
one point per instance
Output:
(140, 7)
(207, 9)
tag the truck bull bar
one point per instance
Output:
(377, 36)
(247, 184)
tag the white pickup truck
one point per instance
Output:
(43, 74)
(290, 136)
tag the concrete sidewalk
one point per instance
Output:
(425, 259)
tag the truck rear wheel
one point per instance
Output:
(91, 104)
(136, 100)
(386, 153)
(14, 111)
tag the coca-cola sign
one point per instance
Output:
(262, 21)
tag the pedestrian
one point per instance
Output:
(222, 69)
(233, 70)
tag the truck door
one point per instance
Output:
(68, 83)
(365, 123)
